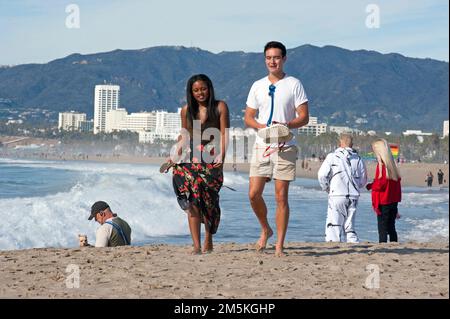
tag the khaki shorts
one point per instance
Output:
(279, 165)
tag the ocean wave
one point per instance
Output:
(428, 230)
(145, 198)
(424, 199)
(55, 220)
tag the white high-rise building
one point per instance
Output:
(70, 121)
(445, 132)
(106, 98)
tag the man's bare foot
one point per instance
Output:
(262, 242)
(279, 252)
(196, 251)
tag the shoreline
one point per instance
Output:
(309, 270)
(413, 174)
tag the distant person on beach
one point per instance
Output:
(429, 179)
(440, 175)
(386, 191)
(290, 108)
(342, 175)
(197, 182)
(114, 231)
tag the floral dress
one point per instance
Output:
(199, 184)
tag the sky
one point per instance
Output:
(33, 31)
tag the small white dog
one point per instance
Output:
(83, 240)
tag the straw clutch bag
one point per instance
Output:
(275, 133)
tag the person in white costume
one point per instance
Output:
(342, 174)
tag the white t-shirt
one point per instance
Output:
(289, 94)
(103, 234)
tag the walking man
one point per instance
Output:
(276, 98)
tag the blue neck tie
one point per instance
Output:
(272, 96)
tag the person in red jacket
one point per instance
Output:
(386, 191)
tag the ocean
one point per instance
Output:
(47, 203)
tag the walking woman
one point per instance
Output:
(386, 191)
(197, 182)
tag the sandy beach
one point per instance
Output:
(309, 270)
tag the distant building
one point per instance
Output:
(87, 126)
(168, 122)
(70, 121)
(151, 136)
(150, 125)
(416, 132)
(166, 126)
(106, 98)
(114, 119)
(344, 129)
(445, 131)
(313, 128)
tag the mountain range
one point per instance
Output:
(363, 89)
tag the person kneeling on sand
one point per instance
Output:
(342, 174)
(114, 231)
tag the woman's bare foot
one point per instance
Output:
(262, 242)
(196, 251)
(208, 247)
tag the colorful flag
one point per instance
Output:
(395, 150)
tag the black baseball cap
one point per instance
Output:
(97, 207)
